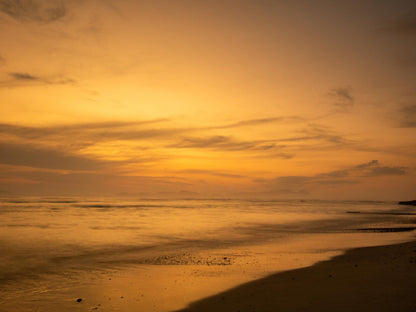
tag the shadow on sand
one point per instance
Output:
(364, 279)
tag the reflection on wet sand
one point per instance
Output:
(160, 256)
(371, 279)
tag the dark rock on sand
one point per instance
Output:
(79, 299)
(410, 203)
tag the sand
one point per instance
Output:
(239, 278)
(363, 279)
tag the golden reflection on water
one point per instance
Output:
(161, 257)
(167, 287)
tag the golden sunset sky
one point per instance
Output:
(214, 98)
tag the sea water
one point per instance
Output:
(53, 250)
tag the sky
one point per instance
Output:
(214, 99)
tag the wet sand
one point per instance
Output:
(364, 279)
(235, 278)
(161, 257)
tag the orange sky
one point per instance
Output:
(230, 98)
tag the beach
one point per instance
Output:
(199, 255)
(368, 279)
(207, 155)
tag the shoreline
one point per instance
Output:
(131, 256)
(381, 278)
(244, 286)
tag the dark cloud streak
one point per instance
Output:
(226, 143)
(81, 135)
(20, 79)
(132, 130)
(64, 130)
(23, 76)
(343, 98)
(337, 177)
(41, 11)
(26, 155)
(381, 171)
(261, 121)
(405, 24)
(407, 116)
(211, 172)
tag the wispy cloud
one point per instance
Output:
(315, 131)
(369, 169)
(21, 79)
(220, 142)
(144, 129)
(382, 171)
(407, 115)
(81, 182)
(212, 172)
(42, 11)
(343, 98)
(312, 134)
(87, 133)
(27, 155)
(260, 121)
(144, 134)
(23, 76)
(405, 24)
(370, 164)
(373, 168)
(231, 144)
(349, 175)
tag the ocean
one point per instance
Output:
(119, 254)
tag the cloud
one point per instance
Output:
(18, 79)
(380, 171)
(373, 168)
(293, 180)
(343, 98)
(113, 6)
(93, 128)
(97, 137)
(315, 131)
(260, 121)
(42, 11)
(407, 116)
(134, 130)
(372, 163)
(312, 133)
(369, 169)
(27, 155)
(220, 142)
(211, 172)
(344, 176)
(405, 24)
(303, 182)
(50, 182)
(85, 134)
(23, 76)
(85, 137)
(123, 140)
